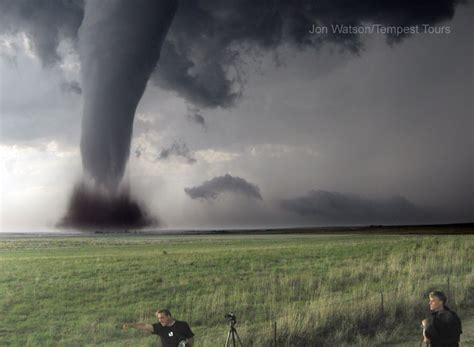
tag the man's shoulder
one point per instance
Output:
(184, 328)
(181, 323)
(447, 315)
(157, 327)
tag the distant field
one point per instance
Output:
(321, 290)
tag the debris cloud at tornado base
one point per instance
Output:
(91, 208)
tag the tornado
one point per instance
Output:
(119, 47)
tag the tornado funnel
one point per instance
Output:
(119, 46)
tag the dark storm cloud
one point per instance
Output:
(333, 207)
(46, 22)
(210, 190)
(200, 58)
(206, 37)
(178, 149)
(202, 80)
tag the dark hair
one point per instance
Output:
(440, 295)
(165, 311)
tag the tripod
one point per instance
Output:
(232, 334)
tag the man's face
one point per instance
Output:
(435, 303)
(163, 319)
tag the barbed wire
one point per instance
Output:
(269, 332)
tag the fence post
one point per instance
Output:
(275, 334)
(449, 289)
(381, 302)
(451, 294)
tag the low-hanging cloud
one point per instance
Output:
(210, 190)
(45, 22)
(138, 152)
(71, 87)
(204, 83)
(342, 208)
(196, 117)
(178, 149)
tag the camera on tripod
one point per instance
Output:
(233, 339)
(231, 317)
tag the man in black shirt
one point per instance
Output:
(173, 333)
(443, 328)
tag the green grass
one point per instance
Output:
(320, 290)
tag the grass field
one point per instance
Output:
(321, 290)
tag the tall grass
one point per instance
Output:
(320, 291)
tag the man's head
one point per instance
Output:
(164, 316)
(437, 300)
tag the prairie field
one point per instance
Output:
(317, 290)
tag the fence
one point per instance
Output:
(372, 297)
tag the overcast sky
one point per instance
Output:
(288, 136)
